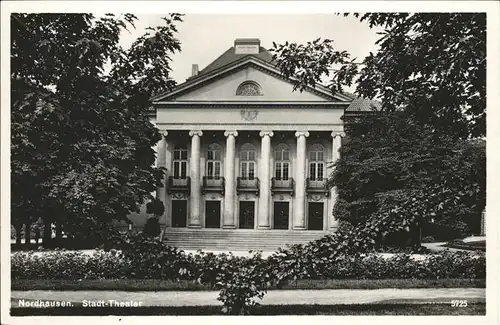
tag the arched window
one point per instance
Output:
(247, 161)
(316, 162)
(214, 161)
(281, 162)
(249, 88)
(180, 162)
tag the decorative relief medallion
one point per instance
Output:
(281, 198)
(247, 197)
(249, 114)
(179, 196)
(213, 197)
(316, 197)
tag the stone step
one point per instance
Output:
(236, 239)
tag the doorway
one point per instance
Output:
(281, 212)
(179, 213)
(212, 214)
(315, 216)
(247, 214)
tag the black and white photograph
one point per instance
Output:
(249, 159)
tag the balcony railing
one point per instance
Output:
(213, 184)
(282, 186)
(248, 185)
(179, 184)
(316, 186)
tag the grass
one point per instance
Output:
(352, 310)
(166, 285)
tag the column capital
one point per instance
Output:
(268, 133)
(233, 133)
(338, 134)
(164, 133)
(195, 132)
(302, 133)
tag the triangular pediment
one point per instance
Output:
(223, 83)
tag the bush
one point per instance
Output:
(242, 280)
(428, 239)
(152, 227)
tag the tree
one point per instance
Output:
(418, 159)
(430, 64)
(81, 134)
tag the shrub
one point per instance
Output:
(428, 239)
(152, 227)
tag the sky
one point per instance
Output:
(206, 36)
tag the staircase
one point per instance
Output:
(236, 239)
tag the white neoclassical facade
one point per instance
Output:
(243, 150)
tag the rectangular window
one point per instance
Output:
(184, 155)
(210, 169)
(217, 169)
(278, 171)
(251, 171)
(244, 170)
(320, 171)
(183, 169)
(285, 171)
(312, 172)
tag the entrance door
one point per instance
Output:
(212, 214)
(281, 215)
(247, 214)
(315, 216)
(179, 213)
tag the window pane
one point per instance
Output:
(251, 155)
(176, 169)
(183, 169)
(210, 167)
(285, 171)
(244, 170)
(217, 169)
(210, 155)
(278, 170)
(320, 171)
(312, 155)
(286, 155)
(217, 155)
(251, 172)
(177, 154)
(312, 171)
(320, 155)
(184, 154)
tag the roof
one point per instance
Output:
(229, 57)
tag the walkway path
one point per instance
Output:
(286, 297)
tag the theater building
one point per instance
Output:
(245, 154)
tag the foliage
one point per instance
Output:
(413, 165)
(432, 65)
(152, 227)
(394, 175)
(81, 134)
(242, 280)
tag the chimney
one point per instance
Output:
(194, 70)
(246, 46)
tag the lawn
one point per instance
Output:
(351, 310)
(166, 285)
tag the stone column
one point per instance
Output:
(265, 181)
(194, 164)
(229, 175)
(299, 218)
(161, 192)
(336, 144)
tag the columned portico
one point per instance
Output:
(299, 221)
(336, 144)
(264, 221)
(230, 188)
(194, 216)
